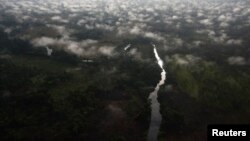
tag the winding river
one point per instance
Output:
(156, 118)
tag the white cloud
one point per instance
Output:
(135, 30)
(175, 17)
(86, 47)
(88, 42)
(221, 39)
(224, 24)
(234, 42)
(105, 27)
(8, 30)
(236, 9)
(154, 36)
(81, 22)
(135, 53)
(183, 60)
(107, 50)
(87, 26)
(75, 48)
(197, 43)
(134, 17)
(222, 18)
(59, 19)
(236, 60)
(206, 22)
(43, 41)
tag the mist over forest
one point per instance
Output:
(76, 70)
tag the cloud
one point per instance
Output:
(197, 43)
(236, 9)
(153, 36)
(135, 30)
(107, 50)
(88, 47)
(154, 19)
(88, 42)
(183, 60)
(104, 27)
(175, 17)
(87, 26)
(236, 60)
(220, 39)
(234, 42)
(206, 22)
(224, 24)
(8, 30)
(49, 51)
(75, 48)
(59, 19)
(227, 17)
(81, 22)
(43, 41)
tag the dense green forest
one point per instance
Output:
(202, 94)
(59, 97)
(83, 70)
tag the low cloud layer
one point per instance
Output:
(183, 60)
(236, 60)
(169, 22)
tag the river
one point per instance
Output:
(156, 117)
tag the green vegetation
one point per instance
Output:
(60, 98)
(202, 94)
